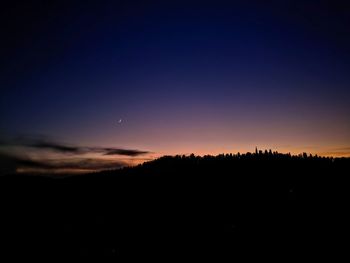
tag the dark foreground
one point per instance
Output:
(242, 207)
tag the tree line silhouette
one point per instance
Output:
(260, 205)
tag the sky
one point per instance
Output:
(152, 78)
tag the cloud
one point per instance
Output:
(54, 147)
(40, 154)
(45, 144)
(12, 164)
(124, 152)
(88, 164)
(8, 164)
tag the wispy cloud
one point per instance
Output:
(35, 154)
(45, 144)
(12, 163)
(124, 152)
(51, 146)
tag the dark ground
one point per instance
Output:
(258, 207)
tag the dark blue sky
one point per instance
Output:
(203, 77)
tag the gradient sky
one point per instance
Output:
(204, 77)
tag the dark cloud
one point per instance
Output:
(11, 163)
(33, 156)
(88, 164)
(45, 144)
(8, 164)
(55, 147)
(124, 152)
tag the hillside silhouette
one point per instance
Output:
(262, 205)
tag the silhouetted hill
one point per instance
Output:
(250, 206)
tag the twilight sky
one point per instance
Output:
(204, 77)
